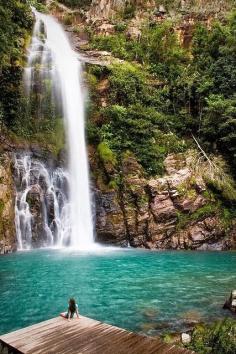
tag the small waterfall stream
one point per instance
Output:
(53, 83)
(42, 207)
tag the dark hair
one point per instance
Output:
(72, 305)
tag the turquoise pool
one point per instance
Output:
(144, 291)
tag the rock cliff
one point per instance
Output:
(7, 223)
(172, 212)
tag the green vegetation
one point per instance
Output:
(134, 122)
(24, 122)
(216, 208)
(1, 207)
(158, 97)
(15, 26)
(105, 154)
(191, 90)
(219, 338)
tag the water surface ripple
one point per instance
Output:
(143, 291)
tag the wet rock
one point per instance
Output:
(110, 227)
(230, 304)
(192, 317)
(7, 194)
(35, 200)
(150, 313)
(146, 327)
(6, 248)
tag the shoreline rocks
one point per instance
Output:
(230, 304)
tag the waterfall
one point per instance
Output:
(53, 83)
(42, 207)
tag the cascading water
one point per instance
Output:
(53, 83)
(42, 208)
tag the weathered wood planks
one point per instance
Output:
(82, 336)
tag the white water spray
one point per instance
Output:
(55, 60)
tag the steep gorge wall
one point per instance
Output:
(175, 211)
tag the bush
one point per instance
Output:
(106, 154)
(219, 338)
(127, 84)
(120, 27)
(68, 19)
(15, 24)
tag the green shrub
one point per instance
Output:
(68, 19)
(129, 11)
(2, 204)
(120, 27)
(106, 154)
(219, 338)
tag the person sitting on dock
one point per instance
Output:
(72, 310)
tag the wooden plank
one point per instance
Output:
(84, 336)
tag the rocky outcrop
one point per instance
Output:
(172, 212)
(7, 225)
(230, 304)
(107, 9)
(104, 9)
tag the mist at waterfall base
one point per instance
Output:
(53, 86)
(144, 291)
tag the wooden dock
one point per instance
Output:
(81, 336)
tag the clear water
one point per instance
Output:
(143, 291)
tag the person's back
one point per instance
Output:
(72, 309)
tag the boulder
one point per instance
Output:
(230, 304)
(186, 338)
(105, 29)
(163, 208)
(110, 226)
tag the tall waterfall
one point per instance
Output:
(53, 80)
